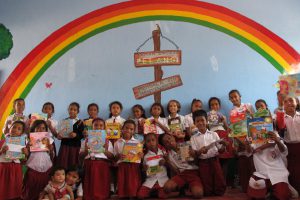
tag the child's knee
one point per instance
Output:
(170, 186)
(197, 192)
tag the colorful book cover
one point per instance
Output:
(238, 129)
(15, 146)
(88, 124)
(65, 128)
(96, 141)
(131, 151)
(18, 118)
(262, 113)
(184, 151)
(153, 165)
(238, 114)
(290, 84)
(149, 127)
(113, 130)
(258, 130)
(213, 118)
(175, 125)
(39, 141)
(37, 116)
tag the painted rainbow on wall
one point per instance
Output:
(273, 48)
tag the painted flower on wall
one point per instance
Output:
(6, 42)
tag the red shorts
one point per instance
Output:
(190, 177)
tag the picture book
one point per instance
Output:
(238, 114)
(96, 141)
(258, 130)
(184, 151)
(131, 151)
(149, 127)
(238, 129)
(15, 145)
(18, 118)
(214, 118)
(65, 128)
(290, 84)
(113, 130)
(88, 124)
(39, 141)
(37, 116)
(175, 125)
(262, 113)
(153, 165)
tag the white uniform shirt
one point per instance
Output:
(163, 121)
(161, 177)
(200, 140)
(182, 120)
(292, 135)
(12, 118)
(119, 145)
(188, 120)
(182, 165)
(96, 155)
(269, 164)
(117, 119)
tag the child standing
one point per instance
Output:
(139, 118)
(38, 166)
(129, 176)
(205, 144)
(18, 107)
(189, 123)
(158, 118)
(176, 122)
(11, 170)
(115, 109)
(93, 110)
(245, 163)
(185, 172)
(97, 165)
(69, 150)
(153, 165)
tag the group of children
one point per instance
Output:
(77, 173)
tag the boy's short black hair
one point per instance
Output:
(55, 169)
(234, 91)
(199, 113)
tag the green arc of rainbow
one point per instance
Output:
(20, 82)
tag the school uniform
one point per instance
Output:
(96, 183)
(117, 119)
(292, 141)
(54, 124)
(163, 121)
(211, 173)
(154, 181)
(271, 168)
(69, 150)
(12, 118)
(129, 175)
(189, 172)
(10, 178)
(139, 129)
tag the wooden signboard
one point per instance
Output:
(151, 58)
(156, 86)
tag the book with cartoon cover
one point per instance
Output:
(149, 127)
(238, 129)
(131, 151)
(88, 124)
(15, 146)
(290, 84)
(258, 130)
(96, 141)
(65, 128)
(184, 151)
(153, 165)
(37, 116)
(39, 141)
(113, 130)
(175, 125)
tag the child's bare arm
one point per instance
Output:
(70, 192)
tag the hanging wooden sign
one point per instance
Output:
(150, 88)
(150, 58)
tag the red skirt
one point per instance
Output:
(34, 182)
(10, 180)
(129, 179)
(293, 159)
(96, 183)
(68, 156)
(229, 153)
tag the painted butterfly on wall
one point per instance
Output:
(48, 85)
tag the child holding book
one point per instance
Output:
(97, 166)
(129, 176)
(154, 167)
(186, 173)
(93, 110)
(158, 118)
(139, 118)
(207, 146)
(245, 163)
(57, 188)
(18, 108)
(69, 150)
(189, 123)
(38, 166)
(11, 170)
(176, 122)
